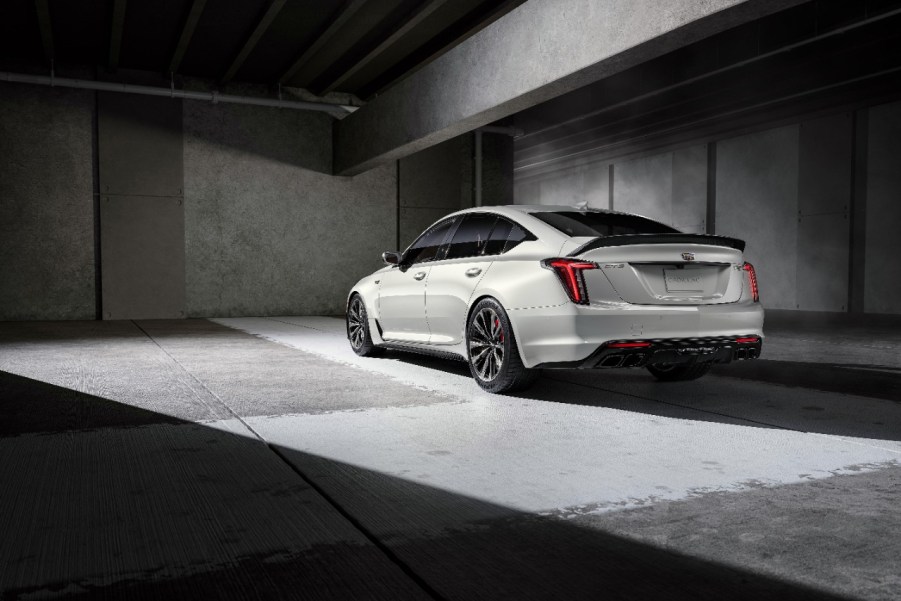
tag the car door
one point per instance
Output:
(452, 280)
(402, 289)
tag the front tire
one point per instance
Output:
(494, 359)
(358, 329)
(679, 372)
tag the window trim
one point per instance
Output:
(449, 242)
(441, 255)
(442, 248)
(530, 237)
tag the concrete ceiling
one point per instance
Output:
(812, 57)
(359, 47)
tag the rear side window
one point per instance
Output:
(428, 245)
(505, 236)
(472, 235)
(575, 223)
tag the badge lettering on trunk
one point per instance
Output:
(688, 256)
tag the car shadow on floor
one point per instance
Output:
(874, 381)
(853, 401)
(457, 367)
(787, 403)
(102, 499)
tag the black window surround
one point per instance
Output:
(504, 235)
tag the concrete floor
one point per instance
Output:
(260, 458)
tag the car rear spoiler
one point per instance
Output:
(675, 238)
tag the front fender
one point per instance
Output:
(368, 289)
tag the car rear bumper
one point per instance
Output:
(631, 353)
(570, 335)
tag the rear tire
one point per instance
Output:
(679, 372)
(493, 355)
(358, 329)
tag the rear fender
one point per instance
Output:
(523, 287)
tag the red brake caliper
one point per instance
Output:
(497, 324)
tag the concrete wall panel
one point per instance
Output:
(433, 183)
(527, 192)
(645, 186)
(497, 169)
(567, 189)
(669, 187)
(825, 163)
(139, 145)
(46, 204)
(141, 217)
(824, 195)
(823, 252)
(143, 257)
(267, 230)
(689, 204)
(580, 186)
(439, 177)
(882, 278)
(414, 221)
(596, 185)
(757, 201)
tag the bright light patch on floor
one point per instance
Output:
(540, 456)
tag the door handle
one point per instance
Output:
(419, 276)
(473, 271)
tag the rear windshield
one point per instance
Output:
(575, 223)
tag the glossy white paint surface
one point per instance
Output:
(631, 295)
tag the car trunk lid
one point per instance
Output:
(665, 269)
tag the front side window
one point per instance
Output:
(471, 237)
(428, 245)
(594, 224)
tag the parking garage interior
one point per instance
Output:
(188, 191)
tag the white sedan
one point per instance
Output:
(515, 289)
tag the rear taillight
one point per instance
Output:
(752, 280)
(570, 273)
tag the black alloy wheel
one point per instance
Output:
(494, 359)
(358, 329)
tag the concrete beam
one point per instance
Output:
(187, 33)
(412, 20)
(115, 38)
(254, 39)
(348, 10)
(43, 10)
(538, 51)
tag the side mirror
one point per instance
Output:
(391, 257)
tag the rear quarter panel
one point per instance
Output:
(517, 279)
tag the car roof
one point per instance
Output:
(522, 215)
(556, 209)
(513, 210)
